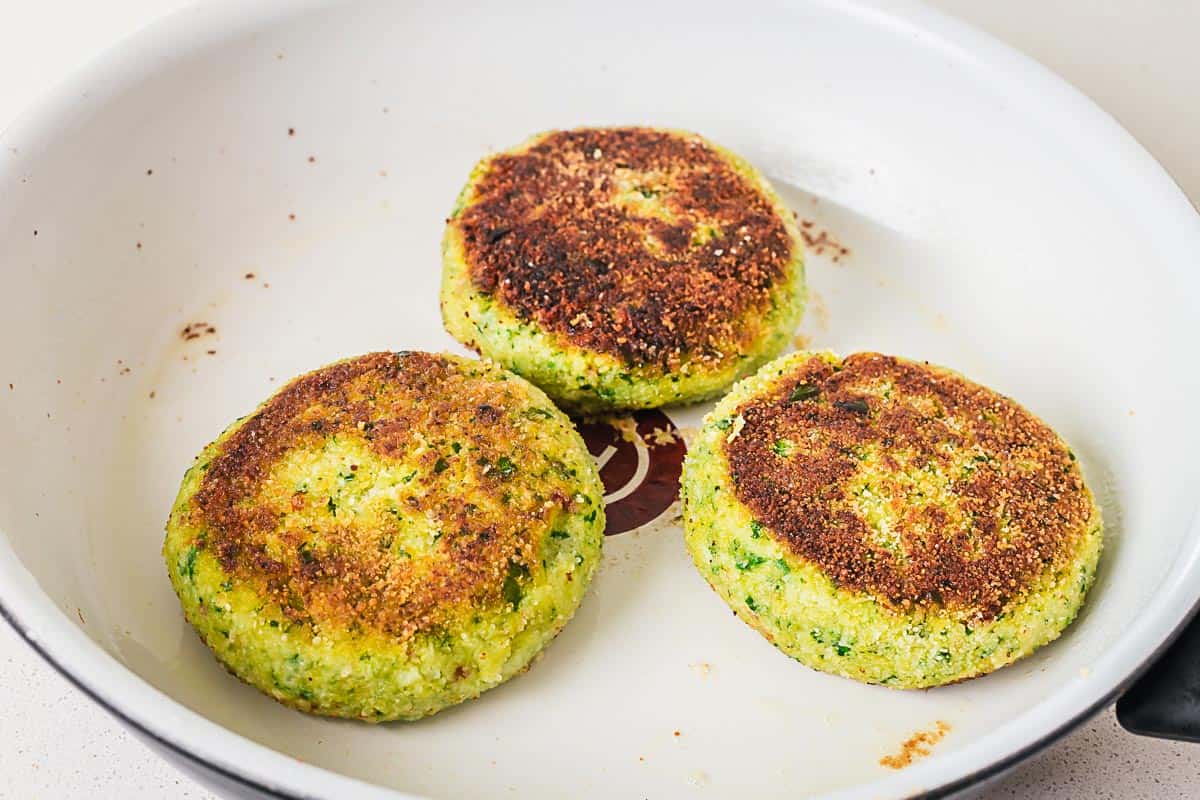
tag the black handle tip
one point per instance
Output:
(1165, 702)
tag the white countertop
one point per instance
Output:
(1137, 60)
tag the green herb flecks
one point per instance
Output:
(854, 406)
(505, 466)
(749, 561)
(189, 563)
(512, 591)
(802, 392)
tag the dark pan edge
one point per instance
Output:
(249, 783)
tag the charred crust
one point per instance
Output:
(1020, 508)
(558, 233)
(342, 575)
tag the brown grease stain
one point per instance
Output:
(919, 745)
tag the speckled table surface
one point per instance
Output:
(1139, 61)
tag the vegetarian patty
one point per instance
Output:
(622, 268)
(887, 520)
(387, 536)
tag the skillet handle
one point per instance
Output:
(1165, 702)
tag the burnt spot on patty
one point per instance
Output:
(643, 244)
(408, 453)
(909, 482)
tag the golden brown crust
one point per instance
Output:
(1012, 501)
(470, 429)
(643, 244)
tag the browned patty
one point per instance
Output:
(980, 495)
(483, 478)
(559, 234)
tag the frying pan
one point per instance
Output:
(273, 177)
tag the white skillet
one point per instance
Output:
(997, 223)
